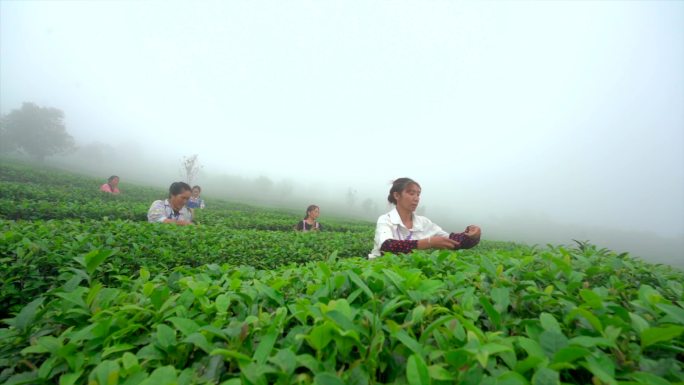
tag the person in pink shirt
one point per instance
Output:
(112, 185)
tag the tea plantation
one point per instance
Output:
(92, 294)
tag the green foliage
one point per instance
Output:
(33, 252)
(28, 193)
(120, 301)
(414, 319)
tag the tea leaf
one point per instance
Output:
(654, 335)
(417, 372)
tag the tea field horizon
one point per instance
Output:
(93, 294)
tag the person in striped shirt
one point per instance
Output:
(173, 209)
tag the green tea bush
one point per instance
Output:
(33, 252)
(92, 294)
(424, 318)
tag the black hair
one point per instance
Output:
(197, 187)
(178, 188)
(399, 185)
(310, 209)
(111, 178)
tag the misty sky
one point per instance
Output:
(572, 110)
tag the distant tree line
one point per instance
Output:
(40, 132)
(36, 131)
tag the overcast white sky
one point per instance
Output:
(574, 110)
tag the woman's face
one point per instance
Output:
(409, 198)
(195, 192)
(313, 214)
(114, 182)
(178, 201)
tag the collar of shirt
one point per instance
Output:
(169, 209)
(395, 219)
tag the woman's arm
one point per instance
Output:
(397, 246)
(385, 237)
(436, 242)
(467, 239)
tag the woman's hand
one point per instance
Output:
(473, 231)
(438, 243)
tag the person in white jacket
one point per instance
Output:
(401, 231)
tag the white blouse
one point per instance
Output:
(161, 210)
(390, 226)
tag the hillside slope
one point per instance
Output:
(93, 294)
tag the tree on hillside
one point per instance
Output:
(190, 168)
(37, 131)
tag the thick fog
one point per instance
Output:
(540, 121)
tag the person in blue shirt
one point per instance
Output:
(195, 201)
